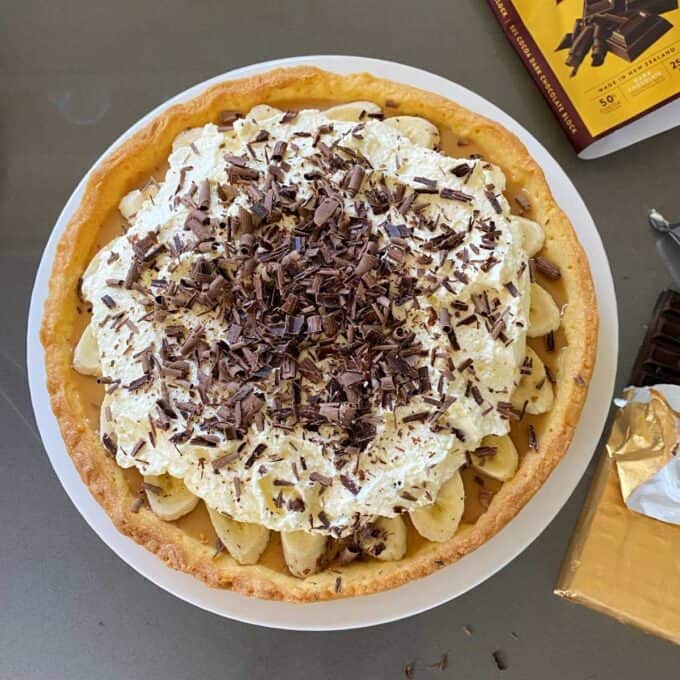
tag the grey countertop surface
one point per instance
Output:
(74, 75)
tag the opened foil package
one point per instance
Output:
(624, 559)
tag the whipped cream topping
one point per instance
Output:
(317, 440)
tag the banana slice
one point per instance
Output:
(303, 551)
(503, 464)
(544, 315)
(96, 261)
(438, 522)
(168, 497)
(534, 388)
(352, 111)
(390, 541)
(263, 112)
(86, 353)
(533, 236)
(132, 203)
(420, 131)
(244, 541)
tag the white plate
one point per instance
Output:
(419, 595)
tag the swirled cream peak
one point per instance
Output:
(311, 321)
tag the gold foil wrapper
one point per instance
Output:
(642, 440)
(623, 563)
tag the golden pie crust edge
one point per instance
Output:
(132, 162)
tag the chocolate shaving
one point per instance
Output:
(533, 439)
(325, 210)
(350, 485)
(321, 479)
(500, 660)
(220, 462)
(549, 269)
(109, 444)
(456, 195)
(485, 451)
(493, 199)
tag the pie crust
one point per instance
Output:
(132, 162)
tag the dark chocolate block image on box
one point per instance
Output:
(638, 34)
(626, 28)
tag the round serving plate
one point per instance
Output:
(418, 595)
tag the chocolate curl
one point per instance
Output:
(599, 46)
(580, 48)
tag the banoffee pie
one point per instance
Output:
(311, 335)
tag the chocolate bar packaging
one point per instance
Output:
(609, 69)
(624, 558)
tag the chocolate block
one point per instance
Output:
(640, 32)
(591, 7)
(658, 360)
(599, 51)
(650, 6)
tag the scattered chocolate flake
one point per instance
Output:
(533, 439)
(507, 410)
(550, 375)
(138, 383)
(548, 268)
(430, 183)
(421, 416)
(409, 671)
(356, 177)
(550, 341)
(512, 289)
(228, 118)
(455, 195)
(321, 479)
(578, 379)
(338, 584)
(139, 445)
(152, 488)
(220, 462)
(500, 659)
(350, 484)
(279, 150)
(203, 197)
(441, 664)
(523, 203)
(109, 444)
(325, 210)
(296, 505)
(109, 301)
(132, 274)
(493, 199)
